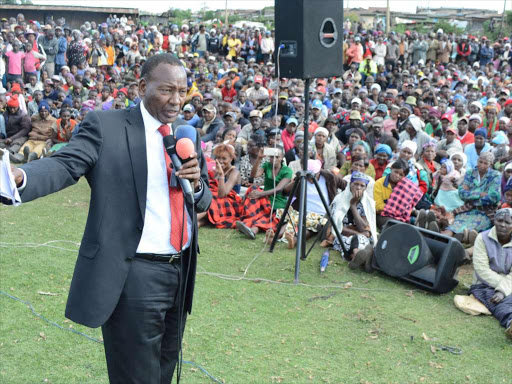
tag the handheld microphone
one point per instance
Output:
(186, 187)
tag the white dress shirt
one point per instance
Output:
(156, 234)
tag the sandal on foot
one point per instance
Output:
(248, 232)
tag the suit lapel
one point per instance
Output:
(136, 137)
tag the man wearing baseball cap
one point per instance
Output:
(255, 118)
(316, 112)
(288, 135)
(258, 94)
(284, 108)
(449, 145)
(354, 122)
(463, 134)
(190, 116)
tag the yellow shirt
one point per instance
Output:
(232, 44)
(110, 55)
(381, 192)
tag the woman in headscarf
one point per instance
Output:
(416, 172)
(361, 164)
(76, 52)
(459, 161)
(481, 194)
(507, 195)
(500, 148)
(506, 175)
(354, 215)
(447, 181)
(382, 155)
(362, 149)
(354, 135)
(427, 160)
(492, 261)
(323, 151)
(490, 122)
(413, 131)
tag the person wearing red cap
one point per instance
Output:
(465, 137)
(434, 126)
(449, 145)
(257, 93)
(507, 109)
(17, 127)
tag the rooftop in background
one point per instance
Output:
(75, 16)
(72, 8)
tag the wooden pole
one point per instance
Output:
(503, 17)
(226, 14)
(388, 17)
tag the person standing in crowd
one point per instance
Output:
(50, 45)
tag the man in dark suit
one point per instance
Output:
(132, 277)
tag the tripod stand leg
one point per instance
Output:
(301, 237)
(319, 236)
(331, 220)
(285, 213)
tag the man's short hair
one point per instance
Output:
(154, 61)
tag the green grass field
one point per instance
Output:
(339, 327)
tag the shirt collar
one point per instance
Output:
(493, 235)
(150, 123)
(386, 181)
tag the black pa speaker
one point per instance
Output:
(310, 34)
(418, 256)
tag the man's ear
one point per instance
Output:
(142, 87)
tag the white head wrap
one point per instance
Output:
(409, 144)
(322, 130)
(416, 122)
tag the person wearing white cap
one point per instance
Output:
(356, 103)
(475, 107)
(323, 151)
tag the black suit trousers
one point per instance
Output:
(141, 335)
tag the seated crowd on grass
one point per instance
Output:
(417, 129)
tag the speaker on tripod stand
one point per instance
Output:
(309, 37)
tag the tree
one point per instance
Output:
(209, 15)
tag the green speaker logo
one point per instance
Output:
(413, 254)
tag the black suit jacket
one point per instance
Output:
(110, 151)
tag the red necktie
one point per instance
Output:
(176, 202)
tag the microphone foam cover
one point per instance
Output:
(185, 148)
(187, 131)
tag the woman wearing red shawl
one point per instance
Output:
(427, 160)
(491, 120)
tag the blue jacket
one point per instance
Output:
(486, 55)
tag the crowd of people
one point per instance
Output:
(416, 128)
